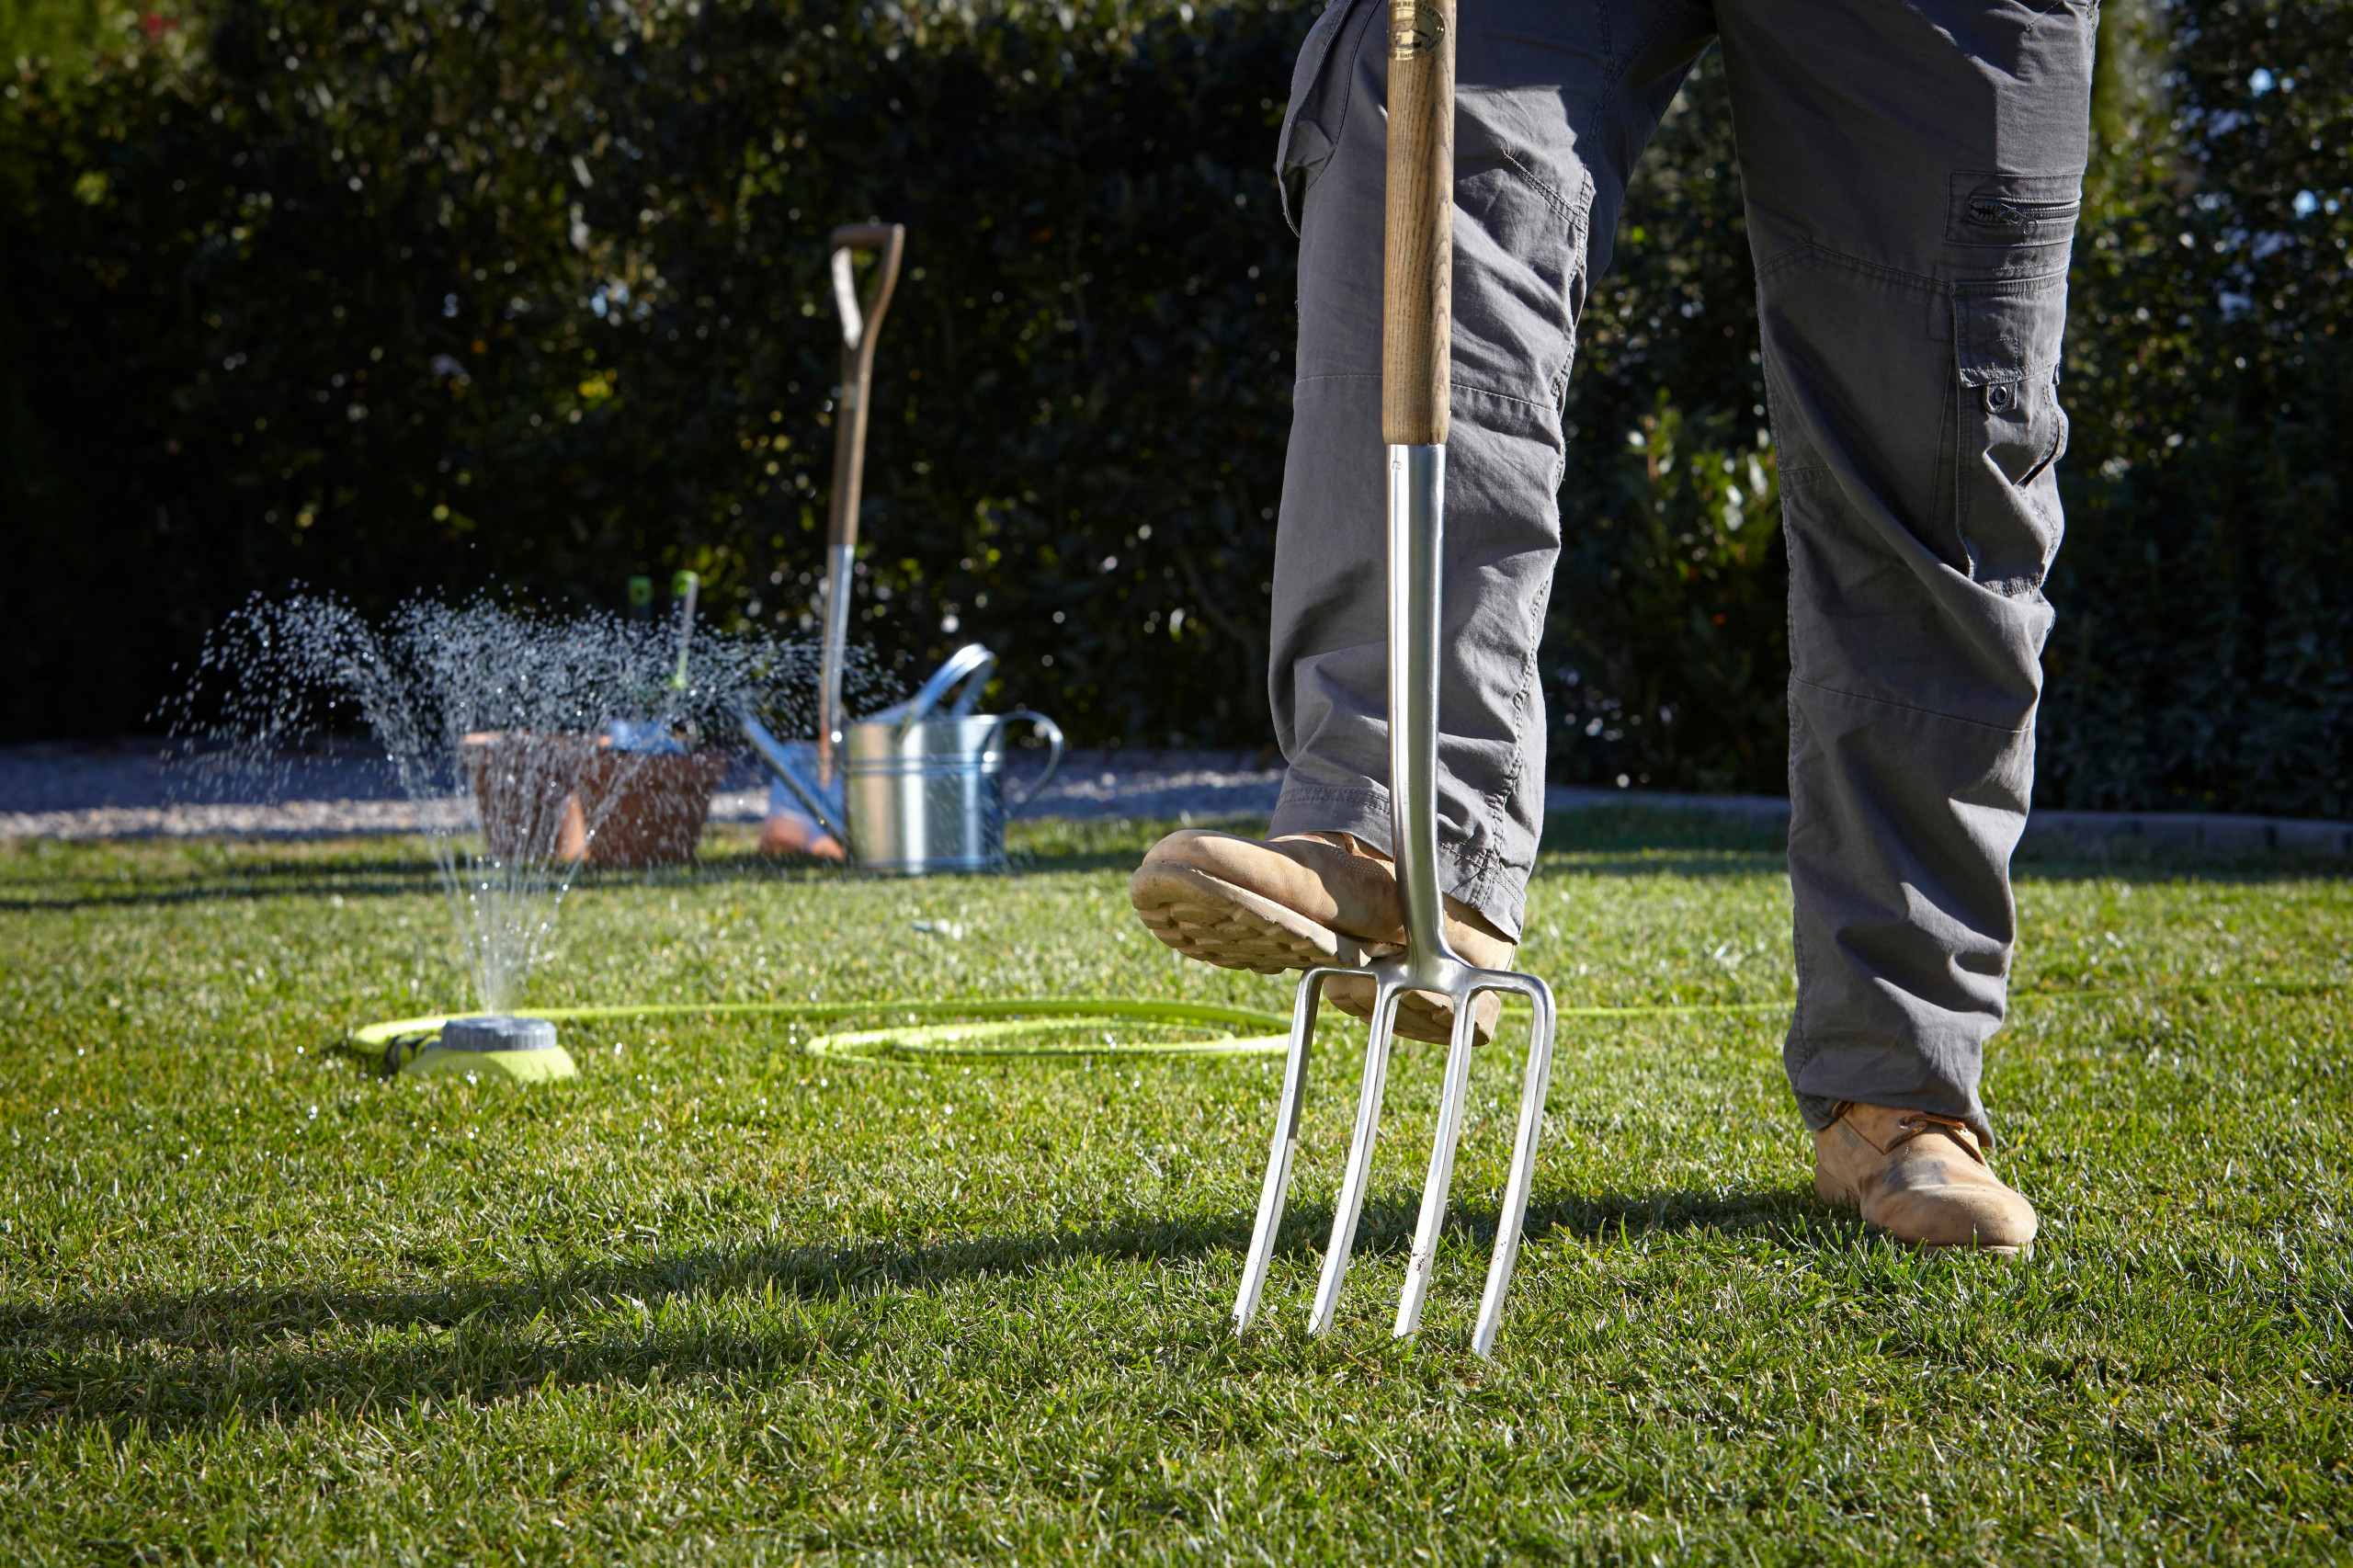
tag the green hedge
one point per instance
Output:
(439, 293)
(2204, 653)
(443, 292)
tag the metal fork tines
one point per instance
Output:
(1416, 514)
(1392, 981)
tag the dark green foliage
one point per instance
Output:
(70, 33)
(2205, 648)
(1668, 610)
(456, 292)
(440, 293)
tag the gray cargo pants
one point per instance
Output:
(1912, 170)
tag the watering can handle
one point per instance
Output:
(972, 660)
(1053, 734)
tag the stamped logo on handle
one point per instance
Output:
(1415, 28)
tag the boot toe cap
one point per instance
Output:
(1985, 1215)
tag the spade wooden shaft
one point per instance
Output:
(1417, 281)
(887, 240)
(861, 327)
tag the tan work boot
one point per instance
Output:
(1289, 903)
(1296, 902)
(1920, 1178)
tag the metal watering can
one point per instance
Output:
(917, 788)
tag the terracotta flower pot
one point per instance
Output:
(524, 784)
(573, 797)
(633, 809)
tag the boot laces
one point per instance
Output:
(1919, 1123)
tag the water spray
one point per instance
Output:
(563, 731)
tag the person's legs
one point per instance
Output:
(1911, 173)
(1551, 110)
(1553, 105)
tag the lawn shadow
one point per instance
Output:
(1790, 1218)
(312, 867)
(201, 1359)
(371, 878)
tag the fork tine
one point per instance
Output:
(1449, 1136)
(1359, 1171)
(1523, 1164)
(1281, 1151)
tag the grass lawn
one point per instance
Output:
(724, 1300)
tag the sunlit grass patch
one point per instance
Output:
(725, 1298)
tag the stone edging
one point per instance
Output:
(2097, 831)
(1174, 785)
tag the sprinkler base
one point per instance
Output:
(522, 1049)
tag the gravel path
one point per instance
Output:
(135, 789)
(132, 790)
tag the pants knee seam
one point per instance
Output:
(2010, 730)
(1564, 207)
(1808, 250)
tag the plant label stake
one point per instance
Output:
(860, 326)
(684, 587)
(1416, 307)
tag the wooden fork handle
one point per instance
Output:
(1417, 281)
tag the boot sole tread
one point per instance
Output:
(1208, 919)
(1205, 918)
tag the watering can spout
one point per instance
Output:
(820, 802)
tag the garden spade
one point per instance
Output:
(861, 324)
(1416, 310)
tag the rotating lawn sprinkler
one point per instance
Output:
(914, 788)
(522, 1049)
(1417, 304)
(564, 739)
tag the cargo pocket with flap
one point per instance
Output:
(2006, 225)
(2012, 431)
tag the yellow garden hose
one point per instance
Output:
(1051, 1026)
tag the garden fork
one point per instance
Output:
(1417, 306)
